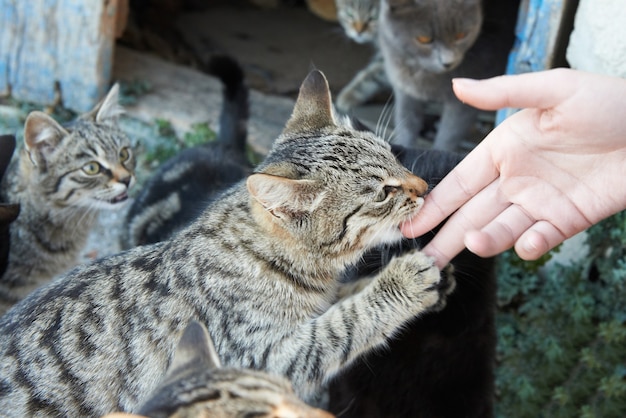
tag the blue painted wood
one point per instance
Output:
(52, 49)
(538, 26)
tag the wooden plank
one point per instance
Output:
(542, 25)
(54, 50)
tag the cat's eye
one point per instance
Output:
(460, 35)
(124, 154)
(91, 168)
(386, 192)
(424, 39)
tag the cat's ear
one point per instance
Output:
(284, 197)
(41, 135)
(314, 108)
(195, 349)
(109, 108)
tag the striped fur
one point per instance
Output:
(196, 385)
(260, 268)
(61, 178)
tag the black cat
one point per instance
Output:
(184, 185)
(443, 364)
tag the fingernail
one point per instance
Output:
(460, 81)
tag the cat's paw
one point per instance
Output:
(446, 286)
(415, 275)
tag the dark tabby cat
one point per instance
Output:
(260, 268)
(183, 186)
(196, 385)
(442, 364)
(426, 43)
(61, 178)
(8, 211)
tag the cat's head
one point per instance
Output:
(435, 33)
(195, 384)
(89, 164)
(359, 19)
(328, 188)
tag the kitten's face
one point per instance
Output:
(90, 164)
(435, 33)
(359, 19)
(335, 190)
(94, 174)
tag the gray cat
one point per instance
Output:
(260, 268)
(196, 385)
(426, 43)
(61, 178)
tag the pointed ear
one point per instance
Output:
(41, 135)
(313, 109)
(284, 197)
(108, 108)
(195, 349)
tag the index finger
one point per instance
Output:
(470, 176)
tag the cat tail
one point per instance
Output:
(233, 129)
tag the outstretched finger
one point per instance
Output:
(475, 172)
(474, 215)
(517, 91)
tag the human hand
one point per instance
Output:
(544, 174)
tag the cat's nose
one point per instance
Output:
(416, 187)
(125, 180)
(359, 27)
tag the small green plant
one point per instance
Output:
(562, 331)
(130, 91)
(166, 143)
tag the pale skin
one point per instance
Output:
(544, 174)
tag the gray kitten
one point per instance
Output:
(426, 43)
(61, 178)
(359, 20)
(196, 385)
(261, 268)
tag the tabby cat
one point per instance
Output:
(426, 43)
(8, 211)
(61, 178)
(196, 385)
(184, 185)
(260, 268)
(359, 20)
(441, 365)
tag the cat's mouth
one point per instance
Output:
(119, 198)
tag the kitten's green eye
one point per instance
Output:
(124, 154)
(91, 168)
(460, 35)
(386, 192)
(424, 39)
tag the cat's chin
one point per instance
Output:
(391, 235)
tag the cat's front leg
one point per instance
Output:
(412, 282)
(456, 126)
(368, 82)
(408, 118)
(408, 286)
